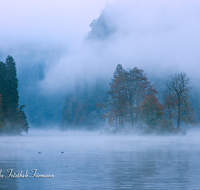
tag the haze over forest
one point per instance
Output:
(60, 52)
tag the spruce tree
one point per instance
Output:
(2, 92)
(3, 83)
(12, 117)
(12, 97)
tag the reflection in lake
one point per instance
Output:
(90, 161)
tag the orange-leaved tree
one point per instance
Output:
(152, 110)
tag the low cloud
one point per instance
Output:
(161, 37)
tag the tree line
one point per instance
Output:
(132, 100)
(12, 117)
(80, 109)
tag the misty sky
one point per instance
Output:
(160, 37)
(46, 21)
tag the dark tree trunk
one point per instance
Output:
(179, 114)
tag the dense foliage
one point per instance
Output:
(12, 117)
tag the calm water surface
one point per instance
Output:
(92, 162)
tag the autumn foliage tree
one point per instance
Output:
(117, 99)
(137, 87)
(152, 111)
(128, 89)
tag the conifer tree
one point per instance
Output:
(12, 98)
(3, 84)
(2, 93)
(12, 117)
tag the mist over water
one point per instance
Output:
(60, 46)
(91, 161)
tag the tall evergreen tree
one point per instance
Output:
(2, 92)
(11, 101)
(3, 83)
(12, 117)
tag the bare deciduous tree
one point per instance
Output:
(178, 88)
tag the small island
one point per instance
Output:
(132, 105)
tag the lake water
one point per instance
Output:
(93, 162)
